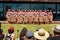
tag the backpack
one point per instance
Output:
(8, 37)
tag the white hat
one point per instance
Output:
(39, 34)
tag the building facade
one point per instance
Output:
(26, 5)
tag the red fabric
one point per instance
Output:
(11, 28)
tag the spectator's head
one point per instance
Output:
(56, 30)
(30, 34)
(11, 30)
(41, 34)
(23, 32)
(1, 31)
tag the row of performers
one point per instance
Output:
(41, 16)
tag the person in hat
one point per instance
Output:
(10, 35)
(29, 36)
(41, 34)
(1, 34)
(56, 31)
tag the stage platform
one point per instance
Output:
(6, 22)
(56, 22)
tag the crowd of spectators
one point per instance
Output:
(39, 34)
(29, 16)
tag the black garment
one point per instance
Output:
(1, 36)
(54, 38)
(21, 38)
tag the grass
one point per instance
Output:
(32, 27)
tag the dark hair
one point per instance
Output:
(23, 32)
(49, 9)
(30, 37)
(10, 31)
(56, 33)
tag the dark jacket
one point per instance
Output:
(54, 38)
(1, 36)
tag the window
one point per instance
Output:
(58, 7)
(24, 6)
(58, 12)
(36, 6)
(9, 6)
(1, 7)
(52, 6)
(12, 5)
